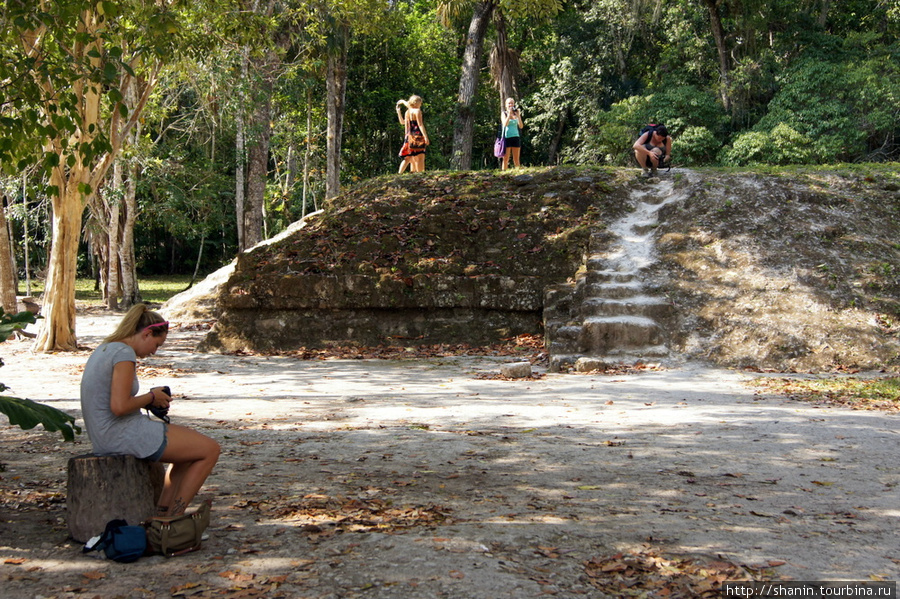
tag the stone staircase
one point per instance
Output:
(606, 316)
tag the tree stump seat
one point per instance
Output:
(103, 488)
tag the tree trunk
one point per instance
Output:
(240, 161)
(131, 293)
(27, 236)
(307, 151)
(823, 14)
(557, 138)
(464, 127)
(76, 182)
(337, 90)
(718, 32)
(102, 488)
(258, 166)
(11, 233)
(252, 164)
(57, 330)
(199, 260)
(113, 236)
(503, 64)
(7, 268)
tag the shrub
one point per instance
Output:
(696, 146)
(752, 147)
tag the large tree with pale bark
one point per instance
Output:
(69, 66)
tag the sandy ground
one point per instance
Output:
(430, 478)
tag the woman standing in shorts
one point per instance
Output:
(511, 123)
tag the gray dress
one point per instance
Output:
(133, 434)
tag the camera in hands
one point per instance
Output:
(161, 413)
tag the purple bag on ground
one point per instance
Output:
(500, 147)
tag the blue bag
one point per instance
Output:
(121, 542)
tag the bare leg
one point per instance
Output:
(515, 152)
(645, 160)
(506, 159)
(193, 456)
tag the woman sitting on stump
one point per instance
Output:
(111, 408)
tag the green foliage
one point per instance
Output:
(781, 146)
(536, 10)
(697, 146)
(842, 109)
(804, 88)
(416, 56)
(752, 147)
(84, 47)
(27, 414)
(10, 323)
(692, 116)
(24, 413)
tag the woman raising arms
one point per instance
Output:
(416, 134)
(111, 407)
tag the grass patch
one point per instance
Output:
(881, 393)
(154, 290)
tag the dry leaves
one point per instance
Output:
(320, 514)
(650, 573)
(526, 345)
(858, 393)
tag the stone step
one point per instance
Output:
(592, 363)
(563, 360)
(558, 348)
(639, 305)
(608, 276)
(654, 199)
(644, 228)
(613, 290)
(601, 262)
(608, 316)
(558, 303)
(558, 293)
(605, 334)
(572, 332)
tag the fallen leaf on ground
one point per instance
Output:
(651, 573)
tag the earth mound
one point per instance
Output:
(795, 269)
(439, 258)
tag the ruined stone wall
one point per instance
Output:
(441, 258)
(321, 310)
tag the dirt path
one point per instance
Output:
(415, 479)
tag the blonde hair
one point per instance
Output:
(413, 102)
(138, 318)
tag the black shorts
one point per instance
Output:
(513, 142)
